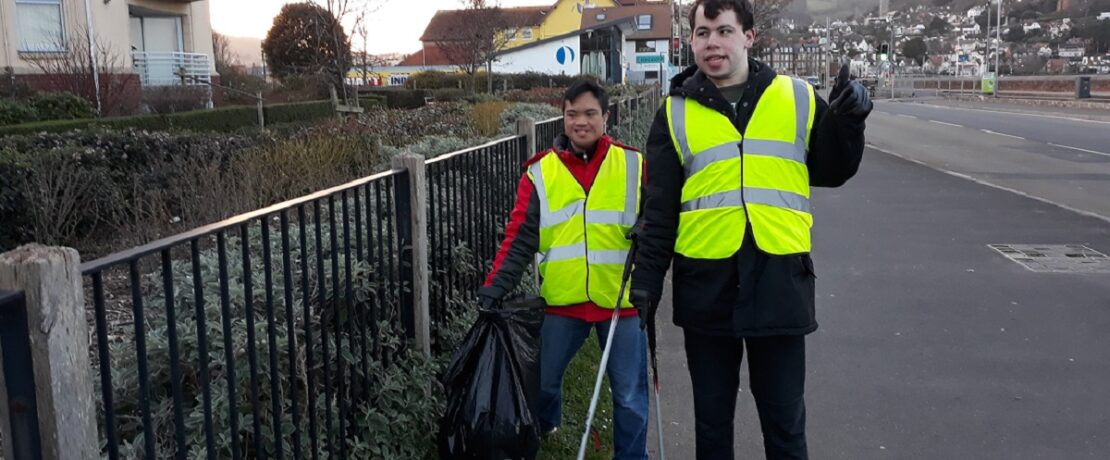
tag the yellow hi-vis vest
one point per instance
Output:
(767, 184)
(582, 235)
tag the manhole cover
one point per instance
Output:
(1055, 258)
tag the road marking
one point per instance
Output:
(1002, 134)
(907, 116)
(1079, 149)
(946, 124)
(995, 186)
(1037, 115)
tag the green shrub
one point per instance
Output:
(222, 119)
(61, 106)
(432, 146)
(487, 117)
(15, 111)
(402, 127)
(520, 81)
(448, 95)
(298, 112)
(536, 112)
(478, 98)
(401, 98)
(371, 101)
(550, 96)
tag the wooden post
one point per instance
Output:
(261, 114)
(527, 127)
(50, 278)
(418, 218)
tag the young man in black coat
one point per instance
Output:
(731, 157)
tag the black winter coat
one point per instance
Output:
(752, 293)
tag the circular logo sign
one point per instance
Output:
(565, 55)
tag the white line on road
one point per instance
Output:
(988, 184)
(906, 116)
(1026, 114)
(946, 124)
(1002, 134)
(1079, 149)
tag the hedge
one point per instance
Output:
(527, 80)
(396, 98)
(222, 119)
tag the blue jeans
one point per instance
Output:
(627, 369)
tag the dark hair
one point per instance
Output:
(712, 8)
(581, 87)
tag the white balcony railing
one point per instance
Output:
(171, 68)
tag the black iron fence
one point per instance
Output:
(20, 405)
(260, 335)
(471, 193)
(246, 328)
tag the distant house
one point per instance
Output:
(972, 29)
(646, 49)
(1071, 52)
(154, 43)
(565, 37)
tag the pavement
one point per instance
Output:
(932, 344)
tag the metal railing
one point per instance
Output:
(309, 282)
(546, 131)
(172, 68)
(472, 192)
(19, 378)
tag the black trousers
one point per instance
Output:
(777, 377)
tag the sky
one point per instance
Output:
(395, 26)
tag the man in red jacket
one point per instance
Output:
(574, 205)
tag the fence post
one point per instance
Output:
(58, 333)
(261, 113)
(527, 127)
(412, 232)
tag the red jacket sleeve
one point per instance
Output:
(521, 242)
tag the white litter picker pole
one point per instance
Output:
(608, 348)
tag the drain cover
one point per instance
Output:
(1055, 258)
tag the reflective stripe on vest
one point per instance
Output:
(767, 185)
(582, 236)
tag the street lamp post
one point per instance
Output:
(997, 46)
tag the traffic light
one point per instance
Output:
(884, 50)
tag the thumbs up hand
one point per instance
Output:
(849, 98)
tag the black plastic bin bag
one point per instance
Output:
(492, 385)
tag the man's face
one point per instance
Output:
(721, 45)
(584, 120)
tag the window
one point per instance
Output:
(645, 46)
(510, 34)
(39, 24)
(643, 22)
(526, 33)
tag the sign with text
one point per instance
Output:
(649, 59)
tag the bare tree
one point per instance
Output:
(766, 13)
(357, 10)
(473, 37)
(94, 73)
(222, 53)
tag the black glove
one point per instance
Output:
(489, 297)
(849, 98)
(645, 303)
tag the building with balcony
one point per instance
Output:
(108, 51)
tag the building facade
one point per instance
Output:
(132, 44)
